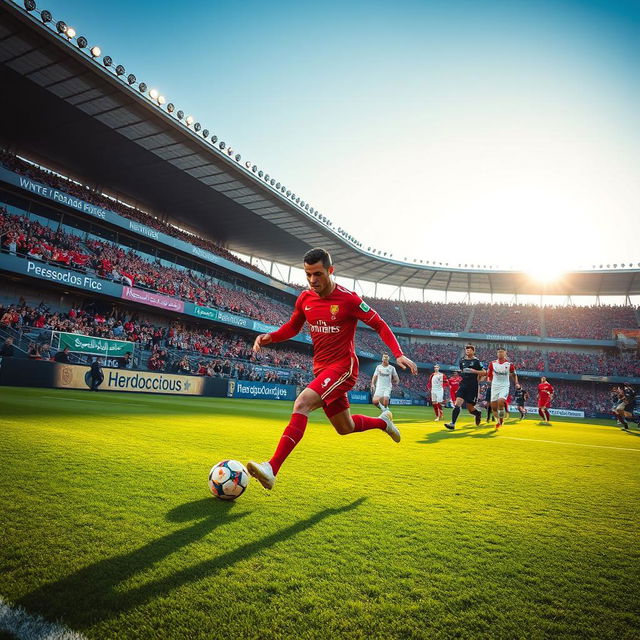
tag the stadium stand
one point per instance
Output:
(512, 320)
(13, 163)
(596, 323)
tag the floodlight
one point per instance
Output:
(161, 100)
(107, 61)
(95, 51)
(154, 94)
(180, 114)
(61, 26)
(214, 139)
(311, 210)
(171, 107)
(302, 203)
(298, 200)
(142, 87)
(283, 188)
(273, 181)
(238, 157)
(82, 42)
(70, 33)
(266, 177)
(254, 168)
(230, 151)
(222, 144)
(288, 193)
(29, 5)
(278, 185)
(131, 79)
(197, 126)
(189, 120)
(247, 164)
(119, 69)
(260, 173)
(46, 16)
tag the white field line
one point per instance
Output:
(26, 626)
(571, 444)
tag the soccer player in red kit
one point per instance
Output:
(454, 384)
(332, 313)
(545, 395)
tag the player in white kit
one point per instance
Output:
(437, 383)
(499, 373)
(384, 377)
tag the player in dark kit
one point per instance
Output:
(521, 397)
(487, 403)
(624, 410)
(472, 370)
(332, 313)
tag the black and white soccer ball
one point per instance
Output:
(228, 479)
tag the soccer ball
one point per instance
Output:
(228, 479)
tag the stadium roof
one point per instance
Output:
(63, 107)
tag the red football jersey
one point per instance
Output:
(332, 324)
(454, 383)
(544, 390)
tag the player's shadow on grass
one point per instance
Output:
(93, 594)
(471, 431)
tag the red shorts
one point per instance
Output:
(544, 404)
(332, 384)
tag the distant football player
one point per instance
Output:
(545, 396)
(487, 403)
(471, 369)
(500, 373)
(454, 385)
(624, 410)
(332, 313)
(384, 377)
(521, 398)
(437, 384)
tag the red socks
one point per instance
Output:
(363, 423)
(291, 436)
(541, 413)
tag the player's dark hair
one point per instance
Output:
(501, 348)
(318, 255)
(470, 346)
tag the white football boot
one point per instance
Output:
(391, 429)
(262, 472)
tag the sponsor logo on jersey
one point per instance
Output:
(307, 308)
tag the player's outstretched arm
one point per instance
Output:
(405, 362)
(262, 340)
(285, 332)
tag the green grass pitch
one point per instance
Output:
(109, 528)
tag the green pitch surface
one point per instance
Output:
(108, 526)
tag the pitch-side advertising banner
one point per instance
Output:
(260, 390)
(94, 346)
(567, 413)
(79, 377)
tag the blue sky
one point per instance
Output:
(507, 132)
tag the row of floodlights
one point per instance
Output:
(70, 33)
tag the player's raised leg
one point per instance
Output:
(265, 472)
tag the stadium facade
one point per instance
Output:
(86, 142)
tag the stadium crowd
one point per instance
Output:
(51, 179)
(602, 364)
(507, 319)
(596, 323)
